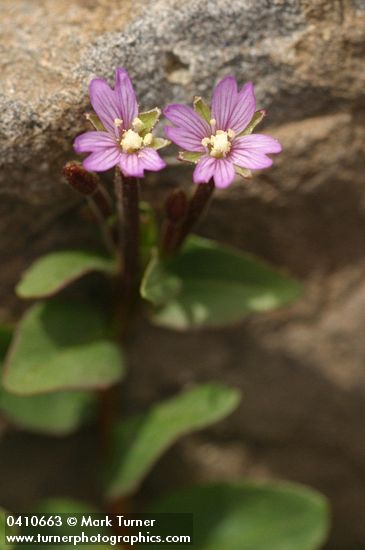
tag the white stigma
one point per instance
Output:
(131, 141)
(219, 144)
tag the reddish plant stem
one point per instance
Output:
(197, 205)
(176, 207)
(126, 299)
(127, 193)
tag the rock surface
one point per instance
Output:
(302, 369)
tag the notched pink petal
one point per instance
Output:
(224, 173)
(126, 95)
(258, 142)
(105, 103)
(244, 109)
(223, 101)
(131, 165)
(204, 170)
(185, 117)
(184, 139)
(251, 159)
(102, 160)
(151, 160)
(93, 141)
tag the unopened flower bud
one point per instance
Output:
(80, 179)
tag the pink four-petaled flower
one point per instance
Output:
(124, 140)
(218, 137)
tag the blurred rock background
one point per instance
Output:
(302, 369)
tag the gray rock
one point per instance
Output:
(302, 368)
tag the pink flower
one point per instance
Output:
(122, 137)
(219, 140)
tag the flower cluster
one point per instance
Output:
(218, 139)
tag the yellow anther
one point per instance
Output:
(137, 124)
(147, 140)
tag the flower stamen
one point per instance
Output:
(219, 144)
(131, 141)
(147, 140)
(137, 124)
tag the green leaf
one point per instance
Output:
(190, 157)
(149, 120)
(209, 284)
(62, 346)
(10, 531)
(251, 516)
(53, 272)
(58, 413)
(256, 119)
(141, 440)
(202, 108)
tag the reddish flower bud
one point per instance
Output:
(80, 179)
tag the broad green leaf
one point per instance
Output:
(140, 440)
(10, 531)
(251, 516)
(53, 272)
(202, 108)
(57, 413)
(149, 120)
(190, 157)
(62, 346)
(256, 119)
(209, 284)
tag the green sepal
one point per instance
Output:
(189, 156)
(202, 108)
(159, 143)
(256, 119)
(149, 120)
(95, 121)
(243, 172)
